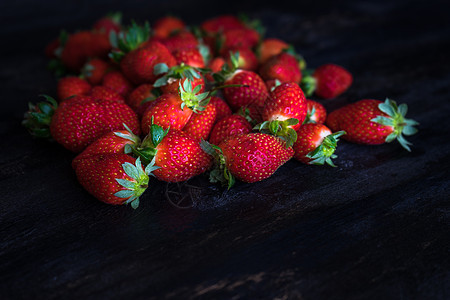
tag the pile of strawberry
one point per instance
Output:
(175, 101)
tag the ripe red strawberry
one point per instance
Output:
(270, 47)
(103, 92)
(113, 178)
(182, 39)
(79, 121)
(215, 65)
(228, 126)
(178, 156)
(222, 108)
(247, 58)
(189, 56)
(143, 93)
(116, 81)
(108, 23)
(316, 144)
(316, 112)
(249, 158)
(164, 26)
(175, 110)
(327, 81)
(111, 143)
(237, 38)
(200, 124)
(373, 122)
(95, 69)
(285, 67)
(284, 111)
(221, 23)
(72, 85)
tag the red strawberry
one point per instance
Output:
(221, 23)
(228, 126)
(200, 124)
(316, 112)
(270, 47)
(170, 81)
(328, 81)
(113, 178)
(189, 56)
(143, 93)
(103, 92)
(247, 59)
(222, 108)
(106, 24)
(110, 143)
(116, 81)
(316, 144)
(182, 39)
(373, 122)
(249, 158)
(94, 70)
(284, 67)
(284, 111)
(79, 121)
(237, 38)
(178, 156)
(164, 26)
(72, 85)
(215, 65)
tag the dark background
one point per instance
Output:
(375, 227)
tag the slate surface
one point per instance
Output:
(375, 227)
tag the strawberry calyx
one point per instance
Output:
(282, 129)
(128, 136)
(135, 187)
(309, 114)
(147, 149)
(191, 96)
(228, 70)
(324, 153)
(308, 83)
(220, 172)
(180, 71)
(38, 118)
(124, 42)
(396, 119)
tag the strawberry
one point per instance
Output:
(143, 93)
(285, 109)
(176, 75)
(316, 144)
(116, 81)
(114, 178)
(228, 126)
(327, 81)
(316, 112)
(200, 124)
(182, 39)
(221, 23)
(270, 47)
(94, 70)
(237, 38)
(108, 23)
(178, 156)
(71, 85)
(110, 143)
(222, 108)
(79, 121)
(373, 122)
(189, 56)
(250, 88)
(165, 26)
(103, 92)
(174, 110)
(285, 67)
(247, 59)
(250, 158)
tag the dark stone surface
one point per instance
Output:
(375, 227)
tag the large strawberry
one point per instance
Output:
(373, 122)
(228, 126)
(244, 87)
(284, 111)
(327, 81)
(79, 121)
(114, 178)
(316, 144)
(249, 158)
(178, 156)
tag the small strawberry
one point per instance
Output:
(103, 92)
(250, 88)
(327, 81)
(178, 156)
(200, 124)
(79, 121)
(373, 122)
(316, 112)
(284, 111)
(116, 81)
(285, 67)
(270, 47)
(182, 39)
(228, 126)
(221, 23)
(237, 38)
(249, 158)
(222, 108)
(189, 56)
(165, 26)
(111, 143)
(72, 85)
(247, 58)
(107, 24)
(114, 178)
(316, 144)
(143, 93)
(95, 69)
